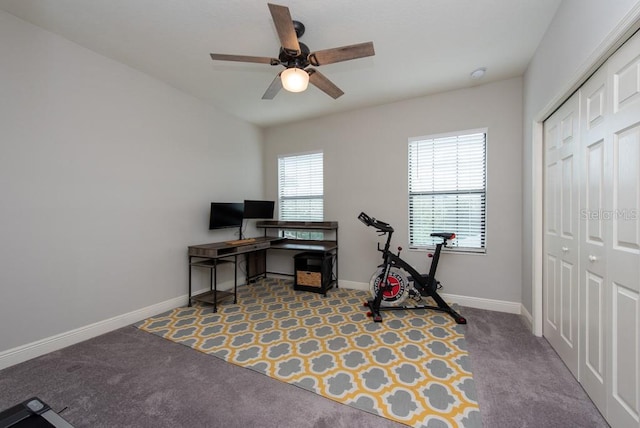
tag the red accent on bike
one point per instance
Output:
(366, 304)
(394, 288)
(399, 248)
(429, 255)
(453, 236)
(369, 314)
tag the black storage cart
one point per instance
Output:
(313, 272)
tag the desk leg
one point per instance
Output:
(235, 279)
(189, 267)
(336, 256)
(214, 284)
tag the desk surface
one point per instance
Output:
(232, 244)
(231, 248)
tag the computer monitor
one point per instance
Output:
(226, 214)
(258, 209)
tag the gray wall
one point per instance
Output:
(106, 174)
(105, 179)
(579, 30)
(365, 169)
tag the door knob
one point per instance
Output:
(592, 258)
(565, 249)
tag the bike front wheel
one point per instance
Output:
(398, 289)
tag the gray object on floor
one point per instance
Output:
(129, 378)
(31, 413)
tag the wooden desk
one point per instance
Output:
(229, 248)
(210, 256)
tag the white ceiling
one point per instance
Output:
(422, 46)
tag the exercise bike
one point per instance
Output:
(390, 285)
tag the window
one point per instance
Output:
(447, 189)
(300, 191)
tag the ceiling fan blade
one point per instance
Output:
(245, 58)
(343, 53)
(325, 85)
(273, 88)
(286, 31)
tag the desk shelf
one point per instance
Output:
(298, 225)
(304, 245)
(213, 296)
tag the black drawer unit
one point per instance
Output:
(313, 272)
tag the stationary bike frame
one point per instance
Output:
(426, 285)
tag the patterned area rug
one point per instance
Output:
(412, 368)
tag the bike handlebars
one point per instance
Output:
(380, 225)
(370, 221)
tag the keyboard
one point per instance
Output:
(241, 241)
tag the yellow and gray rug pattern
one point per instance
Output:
(412, 368)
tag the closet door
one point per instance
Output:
(560, 288)
(623, 249)
(594, 155)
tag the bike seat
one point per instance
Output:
(444, 235)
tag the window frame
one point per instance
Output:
(301, 234)
(452, 247)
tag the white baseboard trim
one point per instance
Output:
(526, 318)
(471, 302)
(49, 344)
(35, 349)
(353, 285)
(482, 303)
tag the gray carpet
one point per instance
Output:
(129, 378)
(521, 381)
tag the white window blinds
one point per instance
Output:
(447, 190)
(300, 187)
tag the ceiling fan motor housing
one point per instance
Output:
(299, 27)
(300, 61)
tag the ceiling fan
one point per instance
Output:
(298, 60)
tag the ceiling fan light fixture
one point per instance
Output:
(294, 79)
